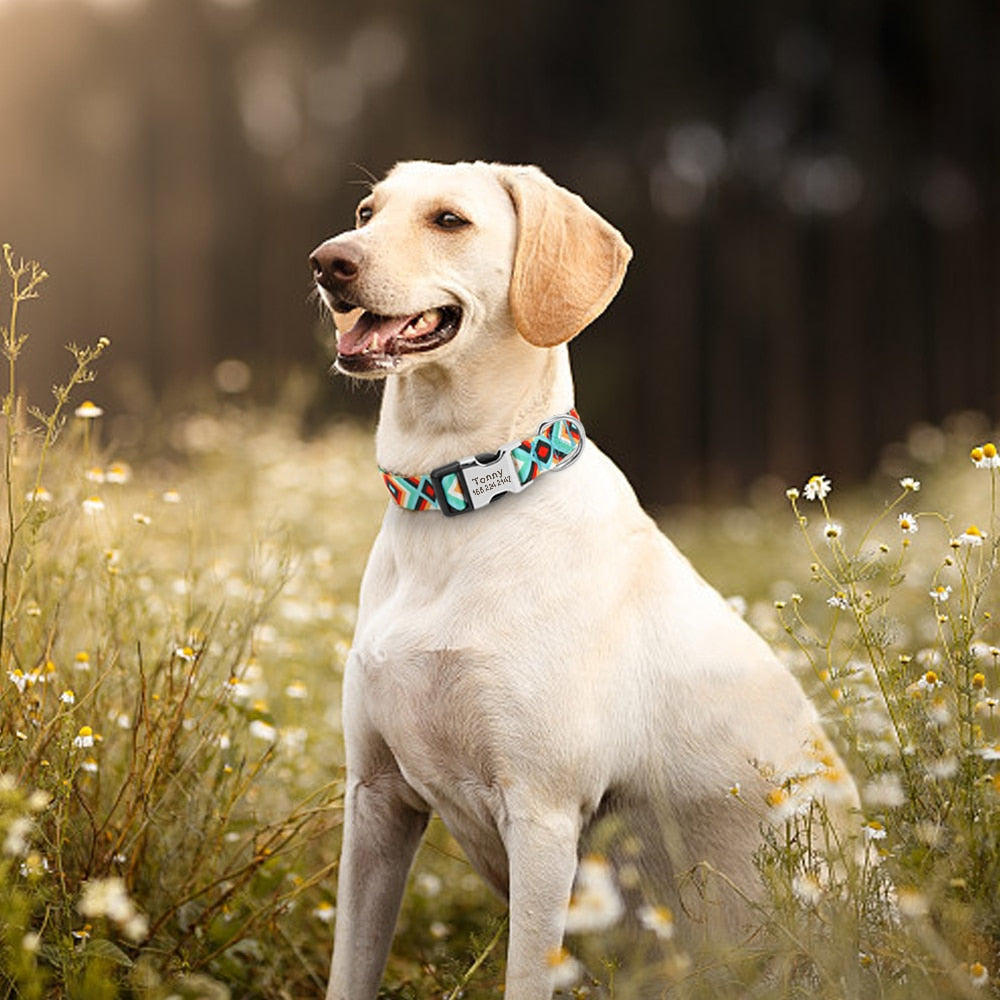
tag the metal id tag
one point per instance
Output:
(489, 478)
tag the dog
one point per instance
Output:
(532, 655)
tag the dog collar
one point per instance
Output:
(472, 483)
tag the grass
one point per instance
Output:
(172, 632)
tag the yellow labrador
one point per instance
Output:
(543, 656)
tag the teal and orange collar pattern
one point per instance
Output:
(472, 483)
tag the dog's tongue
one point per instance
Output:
(371, 334)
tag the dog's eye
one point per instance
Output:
(449, 220)
(365, 212)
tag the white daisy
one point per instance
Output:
(818, 488)
(88, 410)
(972, 537)
(84, 738)
(658, 919)
(596, 903)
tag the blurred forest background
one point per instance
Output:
(812, 190)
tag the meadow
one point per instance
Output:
(173, 625)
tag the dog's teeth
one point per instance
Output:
(427, 320)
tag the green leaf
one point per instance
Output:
(107, 951)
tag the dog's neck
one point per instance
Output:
(432, 415)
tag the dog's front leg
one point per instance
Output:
(381, 835)
(542, 854)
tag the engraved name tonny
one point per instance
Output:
(489, 482)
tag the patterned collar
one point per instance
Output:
(472, 483)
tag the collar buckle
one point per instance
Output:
(472, 483)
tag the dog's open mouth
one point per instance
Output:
(376, 343)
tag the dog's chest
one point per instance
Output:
(446, 670)
(466, 657)
(440, 712)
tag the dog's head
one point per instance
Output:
(440, 250)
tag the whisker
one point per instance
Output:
(370, 179)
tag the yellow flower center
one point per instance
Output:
(776, 796)
(556, 957)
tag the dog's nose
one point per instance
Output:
(335, 264)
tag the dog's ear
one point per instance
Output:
(569, 262)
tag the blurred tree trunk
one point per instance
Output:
(181, 195)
